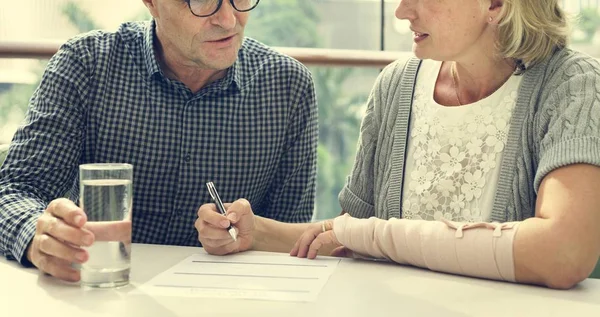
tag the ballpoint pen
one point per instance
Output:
(215, 196)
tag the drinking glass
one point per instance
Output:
(106, 197)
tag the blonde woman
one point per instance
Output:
(482, 153)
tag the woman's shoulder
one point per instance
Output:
(566, 63)
(394, 74)
(566, 70)
(568, 55)
(397, 68)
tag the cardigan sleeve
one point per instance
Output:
(569, 117)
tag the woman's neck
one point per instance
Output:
(473, 81)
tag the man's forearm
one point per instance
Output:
(274, 236)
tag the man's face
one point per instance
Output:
(209, 42)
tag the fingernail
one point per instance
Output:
(80, 256)
(78, 219)
(224, 223)
(232, 216)
(87, 240)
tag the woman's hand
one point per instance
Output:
(319, 237)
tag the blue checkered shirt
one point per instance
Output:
(103, 98)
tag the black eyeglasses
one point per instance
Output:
(206, 8)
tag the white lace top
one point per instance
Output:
(453, 152)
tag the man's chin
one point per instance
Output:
(222, 61)
(220, 64)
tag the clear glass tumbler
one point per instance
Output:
(106, 196)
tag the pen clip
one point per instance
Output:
(212, 190)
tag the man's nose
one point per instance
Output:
(225, 17)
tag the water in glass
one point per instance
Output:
(107, 204)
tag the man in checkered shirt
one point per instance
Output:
(186, 99)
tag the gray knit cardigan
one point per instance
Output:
(556, 122)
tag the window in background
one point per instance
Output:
(37, 20)
(18, 80)
(585, 36)
(339, 24)
(341, 92)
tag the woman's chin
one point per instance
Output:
(426, 53)
(421, 53)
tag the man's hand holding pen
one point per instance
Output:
(212, 227)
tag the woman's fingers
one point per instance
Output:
(307, 238)
(325, 238)
(342, 252)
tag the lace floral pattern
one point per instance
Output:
(453, 158)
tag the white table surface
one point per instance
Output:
(356, 288)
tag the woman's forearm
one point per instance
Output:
(561, 245)
(474, 249)
(274, 236)
(546, 253)
(535, 251)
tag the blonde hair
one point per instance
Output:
(529, 31)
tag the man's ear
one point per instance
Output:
(151, 5)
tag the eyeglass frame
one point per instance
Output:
(219, 7)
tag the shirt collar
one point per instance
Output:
(234, 73)
(148, 49)
(232, 78)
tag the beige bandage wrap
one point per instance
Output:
(473, 249)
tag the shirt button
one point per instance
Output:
(188, 158)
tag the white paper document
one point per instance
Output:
(249, 275)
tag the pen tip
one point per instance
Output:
(233, 234)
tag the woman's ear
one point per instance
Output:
(495, 9)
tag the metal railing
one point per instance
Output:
(307, 56)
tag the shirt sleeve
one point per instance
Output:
(42, 161)
(569, 119)
(292, 193)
